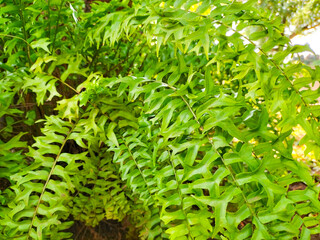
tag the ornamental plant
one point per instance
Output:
(175, 115)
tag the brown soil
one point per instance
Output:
(106, 230)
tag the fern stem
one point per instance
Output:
(181, 198)
(49, 20)
(224, 163)
(132, 62)
(222, 159)
(142, 64)
(66, 84)
(267, 56)
(4, 128)
(57, 26)
(253, 213)
(48, 179)
(8, 35)
(133, 158)
(95, 54)
(21, 9)
(271, 60)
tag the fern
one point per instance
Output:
(172, 115)
(43, 189)
(102, 194)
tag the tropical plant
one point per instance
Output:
(166, 113)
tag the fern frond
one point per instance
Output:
(43, 188)
(102, 194)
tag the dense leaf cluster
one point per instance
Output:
(174, 115)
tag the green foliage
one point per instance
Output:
(167, 114)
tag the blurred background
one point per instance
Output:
(301, 22)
